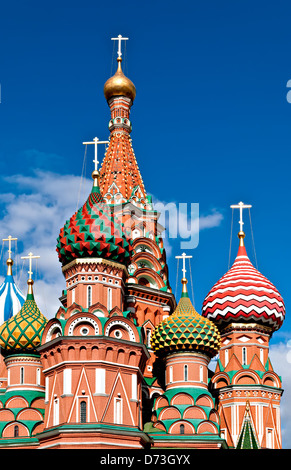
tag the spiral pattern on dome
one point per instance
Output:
(93, 232)
(243, 295)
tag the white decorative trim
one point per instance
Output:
(124, 325)
(83, 319)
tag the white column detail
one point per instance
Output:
(100, 381)
(67, 381)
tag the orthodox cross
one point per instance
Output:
(241, 206)
(96, 141)
(9, 240)
(183, 257)
(30, 257)
(119, 39)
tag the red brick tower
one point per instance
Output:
(147, 290)
(248, 309)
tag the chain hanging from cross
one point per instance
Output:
(241, 206)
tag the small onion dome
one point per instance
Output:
(244, 295)
(11, 298)
(93, 232)
(22, 332)
(119, 85)
(186, 330)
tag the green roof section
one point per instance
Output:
(247, 438)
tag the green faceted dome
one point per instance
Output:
(22, 332)
(186, 330)
(93, 232)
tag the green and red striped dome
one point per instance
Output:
(93, 232)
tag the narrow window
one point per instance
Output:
(118, 411)
(269, 439)
(89, 296)
(171, 374)
(244, 356)
(148, 334)
(185, 372)
(16, 431)
(201, 373)
(83, 412)
(109, 298)
(262, 355)
(73, 295)
(37, 376)
(21, 375)
(56, 412)
(182, 429)
(226, 357)
(134, 387)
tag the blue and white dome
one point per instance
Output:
(11, 298)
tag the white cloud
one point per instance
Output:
(183, 222)
(34, 214)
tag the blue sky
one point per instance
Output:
(211, 125)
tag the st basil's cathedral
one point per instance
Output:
(122, 364)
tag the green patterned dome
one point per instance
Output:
(93, 232)
(186, 330)
(22, 332)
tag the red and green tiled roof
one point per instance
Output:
(93, 232)
(186, 330)
(23, 331)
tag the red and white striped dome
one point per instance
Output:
(243, 295)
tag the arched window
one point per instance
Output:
(182, 429)
(83, 412)
(16, 431)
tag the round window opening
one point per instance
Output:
(117, 334)
(84, 331)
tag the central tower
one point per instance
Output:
(148, 294)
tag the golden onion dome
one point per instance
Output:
(119, 85)
(22, 332)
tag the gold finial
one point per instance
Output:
(95, 176)
(241, 235)
(9, 263)
(30, 284)
(184, 285)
